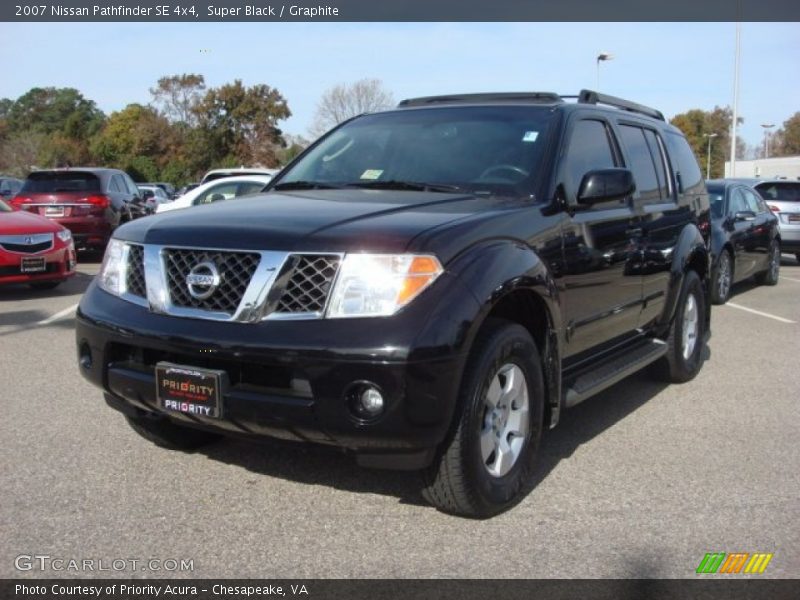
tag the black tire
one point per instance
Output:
(771, 275)
(166, 434)
(797, 256)
(675, 367)
(721, 289)
(459, 481)
(45, 285)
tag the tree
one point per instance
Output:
(51, 110)
(695, 123)
(20, 152)
(178, 96)
(786, 140)
(242, 122)
(344, 101)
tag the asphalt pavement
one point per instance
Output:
(640, 481)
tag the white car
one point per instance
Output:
(154, 196)
(221, 189)
(235, 172)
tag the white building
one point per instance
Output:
(787, 167)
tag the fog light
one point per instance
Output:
(365, 401)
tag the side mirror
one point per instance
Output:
(604, 185)
(744, 215)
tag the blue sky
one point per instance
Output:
(671, 66)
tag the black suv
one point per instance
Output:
(427, 287)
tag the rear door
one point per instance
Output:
(743, 235)
(761, 229)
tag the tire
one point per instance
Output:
(166, 434)
(722, 279)
(45, 285)
(797, 256)
(468, 476)
(770, 276)
(684, 351)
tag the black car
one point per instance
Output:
(426, 287)
(745, 238)
(89, 201)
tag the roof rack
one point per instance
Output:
(534, 97)
(590, 97)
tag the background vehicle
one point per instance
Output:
(745, 238)
(426, 287)
(168, 188)
(216, 190)
(90, 202)
(9, 186)
(783, 198)
(153, 195)
(34, 250)
(186, 188)
(236, 171)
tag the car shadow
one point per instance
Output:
(76, 284)
(318, 465)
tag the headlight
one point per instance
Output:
(64, 235)
(111, 277)
(376, 285)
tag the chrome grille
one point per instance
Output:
(134, 279)
(27, 244)
(309, 285)
(236, 269)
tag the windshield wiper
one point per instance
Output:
(412, 186)
(306, 185)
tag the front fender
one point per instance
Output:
(690, 253)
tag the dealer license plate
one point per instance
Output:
(33, 264)
(190, 390)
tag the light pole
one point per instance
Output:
(601, 57)
(735, 119)
(710, 137)
(767, 127)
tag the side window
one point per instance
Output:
(224, 191)
(113, 184)
(660, 161)
(131, 185)
(644, 170)
(738, 202)
(687, 169)
(589, 149)
(249, 187)
(752, 201)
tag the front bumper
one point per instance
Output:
(288, 379)
(60, 265)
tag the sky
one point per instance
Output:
(671, 66)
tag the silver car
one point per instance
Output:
(783, 199)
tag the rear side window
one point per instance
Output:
(781, 191)
(687, 170)
(51, 182)
(642, 164)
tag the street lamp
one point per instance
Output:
(710, 137)
(601, 57)
(767, 127)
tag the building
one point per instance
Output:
(784, 167)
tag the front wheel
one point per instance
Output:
(486, 463)
(686, 336)
(166, 434)
(770, 276)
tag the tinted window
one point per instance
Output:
(752, 201)
(781, 191)
(685, 163)
(589, 149)
(249, 187)
(641, 163)
(223, 191)
(738, 202)
(716, 196)
(49, 182)
(660, 162)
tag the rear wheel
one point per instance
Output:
(487, 462)
(797, 256)
(687, 335)
(166, 434)
(722, 279)
(770, 276)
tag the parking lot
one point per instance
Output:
(640, 481)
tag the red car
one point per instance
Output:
(34, 250)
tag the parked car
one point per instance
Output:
(216, 190)
(783, 199)
(402, 291)
(745, 238)
(9, 186)
(153, 196)
(34, 250)
(168, 188)
(186, 188)
(90, 202)
(236, 171)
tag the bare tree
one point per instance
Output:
(343, 101)
(177, 96)
(20, 152)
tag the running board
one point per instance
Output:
(610, 372)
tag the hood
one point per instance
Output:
(315, 220)
(20, 222)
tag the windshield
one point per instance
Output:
(782, 191)
(48, 182)
(489, 149)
